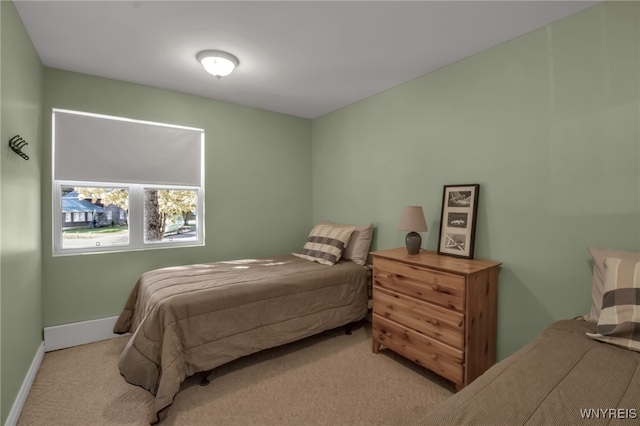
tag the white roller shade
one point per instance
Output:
(108, 149)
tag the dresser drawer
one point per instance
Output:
(444, 325)
(444, 289)
(440, 358)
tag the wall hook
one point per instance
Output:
(16, 143)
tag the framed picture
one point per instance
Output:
(458, 220)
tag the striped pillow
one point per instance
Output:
(619, 321)
(358, 248)
(326, 243)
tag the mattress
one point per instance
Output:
(560, 378)
(194, 318)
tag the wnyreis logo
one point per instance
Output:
(609, 413)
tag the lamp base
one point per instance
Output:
(413, 241)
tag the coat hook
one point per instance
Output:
(16, 143)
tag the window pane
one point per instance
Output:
(170, 215)
(87, 217)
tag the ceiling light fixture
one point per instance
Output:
(217, 62)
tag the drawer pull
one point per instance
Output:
(433, 357)
(440, 289)
(433, 322)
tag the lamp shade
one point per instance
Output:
(412, 220)
(217, 62)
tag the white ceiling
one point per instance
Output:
(296, 57)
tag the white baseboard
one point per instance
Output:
(16, 409)
(78, 333)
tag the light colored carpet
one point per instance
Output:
(328, 379)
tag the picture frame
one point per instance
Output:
(458, 220)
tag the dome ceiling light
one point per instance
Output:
(217, 62)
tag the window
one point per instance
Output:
(97, 231)
(169, 215)
(121, 184)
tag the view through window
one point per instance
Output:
(88, 217)
(170, 215)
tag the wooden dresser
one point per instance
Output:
(438, 311)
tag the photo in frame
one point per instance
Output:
(458, 220)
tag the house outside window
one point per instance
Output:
(147, 199)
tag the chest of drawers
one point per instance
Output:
(438, 311)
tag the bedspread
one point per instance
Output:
(193, 318)
(562, 377)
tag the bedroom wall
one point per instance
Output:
(20, 290)
(547, 124)
(257, 184)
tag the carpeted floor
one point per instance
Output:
(328, 379)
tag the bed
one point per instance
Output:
(580, 371)
(548, 382)
(190, 319)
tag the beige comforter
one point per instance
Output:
(548, 382)
(194, 318)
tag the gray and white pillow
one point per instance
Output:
(619, 321)
(326, 244)
(357, 250)
(599, 255)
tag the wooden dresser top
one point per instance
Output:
(432, 259)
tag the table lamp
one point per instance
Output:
(412, 220)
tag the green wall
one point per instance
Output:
(257, 184)
(20, 291)
(547, 124)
